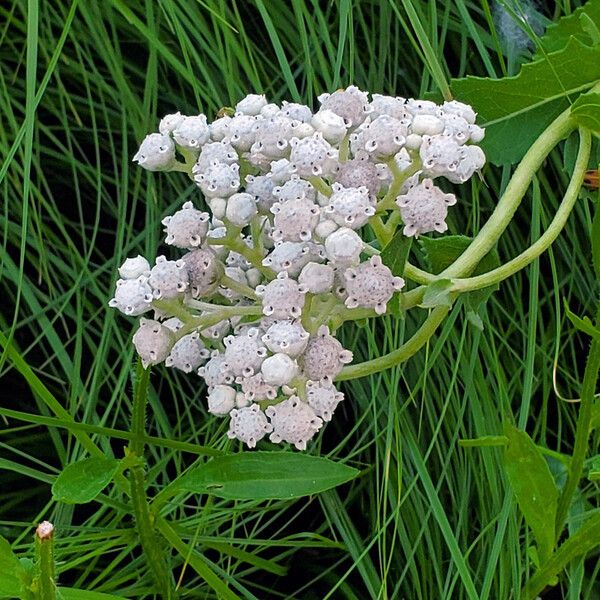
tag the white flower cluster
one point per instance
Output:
(248, 304)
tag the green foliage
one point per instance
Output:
(437, 293)
(12, 573)
(265, 476)
(515, 110)
(586, 111)
(533, 486)
(426, 519)
(82, 481)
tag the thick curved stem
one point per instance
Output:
(554, 229)
(412, 346)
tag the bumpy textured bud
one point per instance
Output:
(188, 353)
(293, 421)
(472, 159)
(343, 247)
(221, 400)
(298, 112)
(371, 285)
(383, 137)
(132, 268)
(292, 256)
(358, 172)
(295, 220)
(460, 109)
(249, 425)
(187, 228)
(424, 208)
(261, 187)
(241, 208)
(219, 128)
(153, 342)
(244, 354)
(215, 371)
(242, 132)
(295, 189)
(170, 122)
(313, 156)
(440, 155)
(220, 152)
(323, 398)
(256, 389)
(324, 356)
(350, 207)
(332, 126)
(422, 107)
(351, 104)
(251, 105)
(132, 296)
(288, 337)
(279, 369)
(192, 132)
(204, 271)
(282, 298)
(219, 180)
(156, 153)
(388, 105)
(317, 278)
(168, 278)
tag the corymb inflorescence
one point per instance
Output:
(277, 251)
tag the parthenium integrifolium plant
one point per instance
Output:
(281, 258)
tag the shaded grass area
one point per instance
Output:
(80, 85)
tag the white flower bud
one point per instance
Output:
(241, 207)
(279, 369)
(251, 105)
(343, 247)
(132, 268)
(156, 153)
(221, 400)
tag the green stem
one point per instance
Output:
(45, 588)
(144, 524)
(509, 202)
(321, 186)
(582, 432)
(554, 229)
(238, 287)
(587, 538)
(408, 349)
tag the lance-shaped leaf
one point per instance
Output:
(265, 476)
(82, 481)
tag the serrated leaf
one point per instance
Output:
(583, 324)
(12, 573)
(533, 486)
(515, 110)
(586, 111)
(437, 294)
(575, 25)
(82, 481)
(266, 476)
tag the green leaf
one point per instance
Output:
(515, 110)
(594, 472)
(484, 441)
(586, 111)
(82, 481)
(394, 255)
(578, 24)
(596, 239)
(534, 487)
(583, 324)
(266, 475)
(12, 573)
(441, 252)
(76, 594)
(437, 294)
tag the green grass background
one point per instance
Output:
(80, 85)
